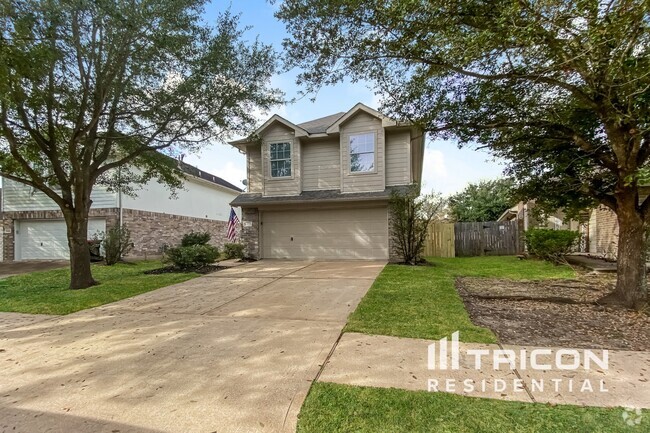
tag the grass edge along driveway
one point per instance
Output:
(422, 301)
(47, 292)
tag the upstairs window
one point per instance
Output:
(362, 153)
(280, 159)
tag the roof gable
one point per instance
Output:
(276, 118)
(335, 127)
(317, 127)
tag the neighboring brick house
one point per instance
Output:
(320, 189)
(33, 227)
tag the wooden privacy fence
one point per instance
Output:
(473, 239)
(440, 240)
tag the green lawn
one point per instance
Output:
(47, 292)
(422, 302)
(339, 408)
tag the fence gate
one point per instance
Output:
(486, 239)
(440, 240)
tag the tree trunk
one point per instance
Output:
(80, 274)
(631, 289)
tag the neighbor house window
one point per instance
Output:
(280, 159)
(362, 153)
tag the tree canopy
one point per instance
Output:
(87, 86)
(482, 201)
(540, 83)
(559, 89)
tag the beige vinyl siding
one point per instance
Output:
(603, 231)
(281, 186)
(359, 182)
(254, 160)
(321, 165)
(20, 197)
(398, 158)
(356, 233)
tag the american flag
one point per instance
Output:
(233, 221)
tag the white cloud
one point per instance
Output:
(447, 169)
(233, 173)
(434, 170)
(223, 161)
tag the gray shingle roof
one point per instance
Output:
(195, 171)
(320, 125)
(332, 195)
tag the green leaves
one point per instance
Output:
(559, 89)
(89, 86)
(482, 201)
(410, 215)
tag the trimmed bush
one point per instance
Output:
(195, 238)
(551, 245)
(116, 243)
(233, 251)
(191, 257)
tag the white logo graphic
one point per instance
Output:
(561, 359)
(446, 355)
(632, 416)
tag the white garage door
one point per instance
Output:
(326, 234)
(47, 239)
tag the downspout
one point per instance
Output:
(119, 197)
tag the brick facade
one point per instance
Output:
(150, 231)
(250, 235)
(394, 254)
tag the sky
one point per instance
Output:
(447, 169)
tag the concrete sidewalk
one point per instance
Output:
(392, 362)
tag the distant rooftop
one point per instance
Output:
(195, 171)
(320, 125)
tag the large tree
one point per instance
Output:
(485, 200)
(88, 87)
(558, 88)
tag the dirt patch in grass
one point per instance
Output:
(554, 313)
(172, 270)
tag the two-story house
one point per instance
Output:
(320, 189)
(33, 226)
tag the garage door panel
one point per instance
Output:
(48, 239)
(326, 234)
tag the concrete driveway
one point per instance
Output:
(7, 269)
(234, 351)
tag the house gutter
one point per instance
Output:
(319, 201)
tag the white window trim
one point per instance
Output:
(374, 169)
(291, 176)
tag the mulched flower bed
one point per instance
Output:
(172, 270)
(554, 313)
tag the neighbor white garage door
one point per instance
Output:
(326, 234)
(47, 239)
